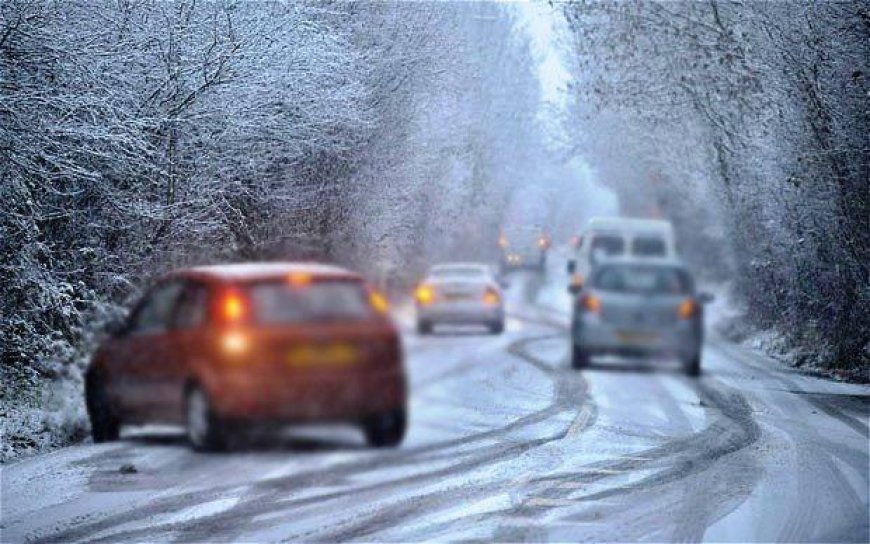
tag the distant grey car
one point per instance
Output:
(459, 294)
(639, 308)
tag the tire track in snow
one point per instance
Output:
(733, 429)
(802, 520)
(567, 396)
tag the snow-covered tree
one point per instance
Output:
(140, 136)
(763, 106)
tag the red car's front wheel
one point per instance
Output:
(105, 426)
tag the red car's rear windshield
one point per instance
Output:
(278, 302)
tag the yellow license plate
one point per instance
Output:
(322, 355)
(637, 337)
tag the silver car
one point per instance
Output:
(638, 308)
(462, 294)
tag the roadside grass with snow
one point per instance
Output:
(728, 318)
(38, 415)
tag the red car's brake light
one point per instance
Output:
(299, 279)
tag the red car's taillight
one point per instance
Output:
(234, 342)
(232, 308)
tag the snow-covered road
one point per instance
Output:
(506, 442)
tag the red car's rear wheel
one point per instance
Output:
(386, 429)
(204, 429)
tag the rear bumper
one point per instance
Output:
(681, 340)
(460, 313)
(324, 397)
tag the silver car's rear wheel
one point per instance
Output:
(579, 357)
(692, 365)
(424, 327)
(497, 327)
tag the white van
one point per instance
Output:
(616, 236)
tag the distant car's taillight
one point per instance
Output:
(576, 240)
(424, 294)
(491, 297)
(590, 303)
(687, 309)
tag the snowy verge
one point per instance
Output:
(38, 415)
(729, 319)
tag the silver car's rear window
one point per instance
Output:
(654, 280)
(277, 302)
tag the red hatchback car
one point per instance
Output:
(218, 347)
